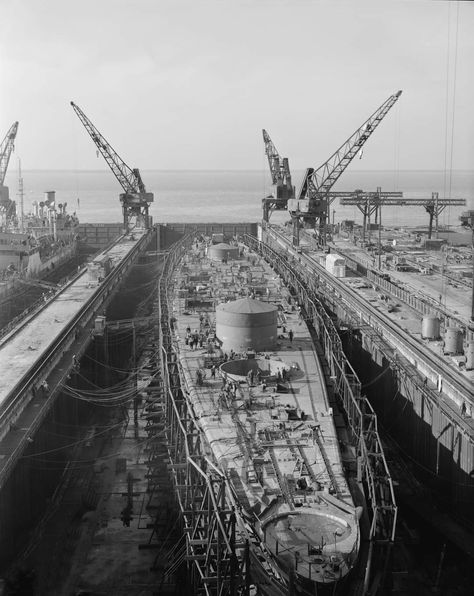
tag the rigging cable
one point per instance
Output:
(449, 144)
(453, 108)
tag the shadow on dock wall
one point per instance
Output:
(438, 454)
(39, 476)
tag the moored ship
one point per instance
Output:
(254, 383)
(31, 246)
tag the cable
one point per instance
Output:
(376, 378)
(68, 445)
(114, 368)
(454, 108)
(78, 462)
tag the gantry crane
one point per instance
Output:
(7, 207)
(367, 204)
(313, 200)
(281, 179)
(135, 200)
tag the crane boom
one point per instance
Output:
(313, 199)
(281, 179)
(6, 149)
(135, 199)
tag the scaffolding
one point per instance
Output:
(216, 547)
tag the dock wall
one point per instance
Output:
(172, 232)
(96, 236)
(43, 465)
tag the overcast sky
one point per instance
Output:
(189, 84)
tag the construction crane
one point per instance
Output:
(313, 200)
(281, 179)
(284, 190)
(367, 204)
(7, 207)
(135, 200)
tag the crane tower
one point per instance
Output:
(135, 200)
(281, 179)
(7, 207)
(312, 203)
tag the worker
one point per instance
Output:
(290, 335)
(250, 378)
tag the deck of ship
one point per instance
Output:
(267, 406)
(275, 438)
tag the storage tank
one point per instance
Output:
(246, 323)
(470, 356)
(453, 341)
(430, 327)
(222, 251)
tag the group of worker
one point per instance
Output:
(194, 339)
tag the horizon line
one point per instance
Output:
(223, 170)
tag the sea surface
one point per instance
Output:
(235, 196)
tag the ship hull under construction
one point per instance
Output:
(256, 390)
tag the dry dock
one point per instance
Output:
(428, 423)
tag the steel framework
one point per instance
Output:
(135, 200)
(217, 547)
(7, 206)
(313, 200)
(281, 179)
(6, 149)
(368, 203)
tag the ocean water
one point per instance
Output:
(233, 196)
